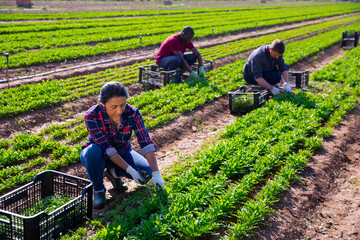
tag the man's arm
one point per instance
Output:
(263, 83)
(285, 76)
(198, 56)
(184, 62)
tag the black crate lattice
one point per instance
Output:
(299, 79)
(350, 39)
(246, 99)
(154, 75)
(14, 225)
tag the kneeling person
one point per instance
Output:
(110, 124)
(171, 53)
(265, 66)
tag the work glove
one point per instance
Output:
(287, 88)
(157, 180)
(135, 175)
(193, 75)
(201, 71)
(275, 91)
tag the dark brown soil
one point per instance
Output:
(186, 134)
(326, 204)
(130, 54)
(37, 119)
(323, 206)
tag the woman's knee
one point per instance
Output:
(91, 153)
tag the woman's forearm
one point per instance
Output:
(150, 157)
(118, 160)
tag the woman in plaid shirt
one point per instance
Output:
(110, 124)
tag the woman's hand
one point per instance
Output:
(157, 180)
(135, 175)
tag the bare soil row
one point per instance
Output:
(200, 43)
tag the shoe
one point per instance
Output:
(118, 185)
(99, 200)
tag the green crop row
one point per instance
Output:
(18, 42)
(232, 48)
(254, 211)
(345, 69)
(221, 178)
(59, 54)
(158, 107)
(17, 17)
(36, 95)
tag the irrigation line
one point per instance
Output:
(75, 67)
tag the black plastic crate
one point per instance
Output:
(350, 39)
(208, 66)
(299, 79)
(156, 76)
(14, 225)
(247, 98)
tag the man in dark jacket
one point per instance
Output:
(265, 66)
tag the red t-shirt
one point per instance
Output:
(171, 44)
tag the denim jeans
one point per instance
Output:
(92, 157)
(272, 77)
(172, 62)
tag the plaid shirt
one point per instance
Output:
(103, 132)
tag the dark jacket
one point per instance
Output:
(260, 61)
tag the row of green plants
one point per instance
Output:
(17, 42)
(200, 200)
(30, 58)
(158, 107)
(33, 96)
(198, 214)
(55, 27)
(232, 48)
(159, 102)
(345, 69)
(81, 15)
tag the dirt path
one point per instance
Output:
(186, 134)
(35, 120)
(326, 204)
(200, 43)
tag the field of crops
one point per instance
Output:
(226, 190)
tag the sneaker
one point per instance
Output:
(99, 200)
(118, 185)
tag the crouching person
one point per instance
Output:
(107, 150)
(171, 53)
(265, 66)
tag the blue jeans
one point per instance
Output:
(272, 77)
(92, 157)
(172, 62)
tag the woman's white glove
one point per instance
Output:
(287, 87)
(157, 180)
(135, 175)
(275, 91)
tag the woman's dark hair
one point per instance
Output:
(112, 89)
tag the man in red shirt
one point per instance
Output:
(171, 53)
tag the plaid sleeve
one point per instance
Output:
(96, 130)
(142, 135)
